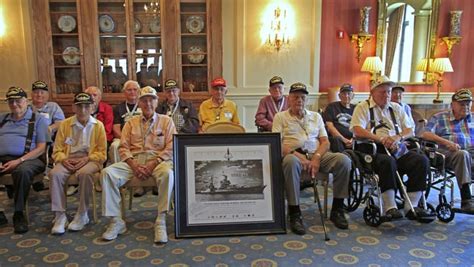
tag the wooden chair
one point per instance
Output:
(73, 180)
(224, 127)
(130, 186)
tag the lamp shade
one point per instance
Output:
(372, 64)
(441, 65)
(423, 65)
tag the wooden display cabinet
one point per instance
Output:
(117, 40)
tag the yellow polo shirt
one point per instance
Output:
(209, 113)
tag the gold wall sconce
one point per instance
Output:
(3, 26)
(440, 66)
(278, 36)
(374, 66)
(363, 36)
(454, 37)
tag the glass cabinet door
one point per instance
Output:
(148, 54)
(113, 45)
(67, 56)
(194, 57)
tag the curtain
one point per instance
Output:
(393, 34)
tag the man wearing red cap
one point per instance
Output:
(217, 108)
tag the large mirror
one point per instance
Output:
(406, 34)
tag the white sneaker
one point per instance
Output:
(71, 190)
(161, 237)
(80, 220)
(115, 228)
(59, 225)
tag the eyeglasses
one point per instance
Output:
(15, 101)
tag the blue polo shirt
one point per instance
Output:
(52, 112)
(13, 133)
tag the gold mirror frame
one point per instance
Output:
(381, 28)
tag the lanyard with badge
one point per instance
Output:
(142, 156)
(278, 108)
(129, 113)
(309, 144)
(171, 112)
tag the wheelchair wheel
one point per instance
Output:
(444, 212)
(372, 216)
(356, 188)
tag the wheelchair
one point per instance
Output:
(363, 177)
(441, 180)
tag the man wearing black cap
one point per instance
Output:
(271, 104)
(81, 148)
(386, 124)
(51, 110)
(182, 112)
(337, 116)
(453, 130)
(397, 97)
(23, 140)
(305, 152)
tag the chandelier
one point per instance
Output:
(152, 8)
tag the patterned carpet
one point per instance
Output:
(402, 243)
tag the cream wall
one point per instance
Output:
(17, 63)
(248, 66)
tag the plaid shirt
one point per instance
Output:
(446, 126)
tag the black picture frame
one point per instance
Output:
(228, 184)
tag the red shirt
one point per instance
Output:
(105, 114)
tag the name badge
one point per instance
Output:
(228, 114)
(46, 115)
(68, 141)
(470, 125)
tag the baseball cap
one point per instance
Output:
(148, 91)
(398, 87)
(276, 80)
(463, 94)
(39, 85)
(298, 87)
(218, 82)
(83, 98)
(382, 80)
(15, 92)
(170, 84)
(346, 88)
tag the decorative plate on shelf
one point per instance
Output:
(155, 25)
(71, 55)
(106, 23)
(66, 23)
(196, 57)
(137, 26)
(195, 24)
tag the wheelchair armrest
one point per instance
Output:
(429, 144)
(365, 146)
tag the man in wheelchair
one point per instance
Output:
(386, 124)
(305, 153)
(453, 131)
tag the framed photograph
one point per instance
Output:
(228, 184)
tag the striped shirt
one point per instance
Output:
(446, 126)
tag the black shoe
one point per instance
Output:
(38, 186)
(3, 218)
(422, 215)
(467, 206)
(296, 224)
(19, 223)
(393, 214)
(155, 191)
(139, 191)
(339, 219)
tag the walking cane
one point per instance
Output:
(316, 199)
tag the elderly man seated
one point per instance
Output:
(453, 130)
(337, 116)
(217, 108)
(23, 140)
(146, 150)
(305, 153)
(81, 149)
(271, 104)
(385, 123)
